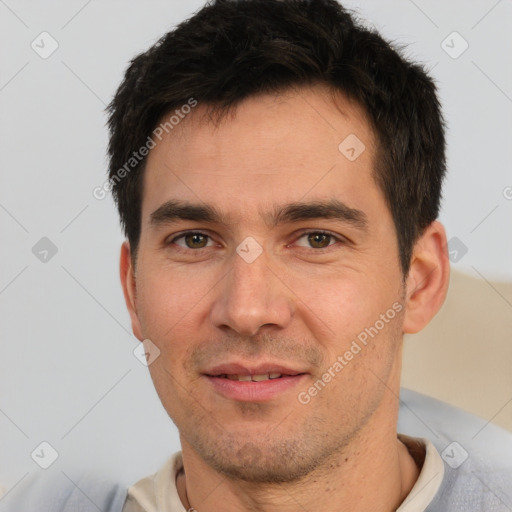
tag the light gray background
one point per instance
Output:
(67, 372)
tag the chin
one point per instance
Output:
(267, 464)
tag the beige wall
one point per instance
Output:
(464, 356)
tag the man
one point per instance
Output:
(278, 169)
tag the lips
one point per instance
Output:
(257, 373)
(253, 383)
(254, 378)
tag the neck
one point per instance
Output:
(374, 473)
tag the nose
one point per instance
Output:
(251, 296)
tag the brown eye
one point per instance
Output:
(192, 240)
(319, 240)
(195, 240)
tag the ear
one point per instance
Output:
(427, 282)
(128, 282)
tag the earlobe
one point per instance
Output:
(428, 279)
(128, 282)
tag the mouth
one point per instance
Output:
(253, 378)
(253, 383)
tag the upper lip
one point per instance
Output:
(244, 369)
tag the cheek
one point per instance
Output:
(341, 306)
(358, 322)
(171, 307)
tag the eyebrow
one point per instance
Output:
(174, 210)
(330, 209)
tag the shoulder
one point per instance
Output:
(61, 492)
(477, 454)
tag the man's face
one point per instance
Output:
(287, 257)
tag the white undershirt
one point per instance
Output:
(429, 479)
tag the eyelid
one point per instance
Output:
(168, 241)
(337, 237)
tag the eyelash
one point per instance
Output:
(336, 238)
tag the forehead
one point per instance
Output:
(303, 144)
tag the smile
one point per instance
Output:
(253, 378)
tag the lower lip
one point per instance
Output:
(249, 391)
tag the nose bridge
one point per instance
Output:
(250, 282)
(251, 296)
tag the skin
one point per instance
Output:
(298, 303)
